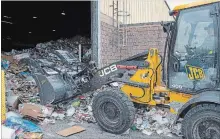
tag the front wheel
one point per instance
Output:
(202, 122)
(113, 111)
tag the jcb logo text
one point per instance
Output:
(108, 70)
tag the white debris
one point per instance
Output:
(159, 131)
(139, 121)
(176, 129)
(160, 119)
(89, 108)
(12, 114)
(156, 120)
(21, 56)
(169, 135)
(8, 133)
(60, 116)
(147, 132)
(49, 121)
(47, 111)
(70, 111)
(115, 84)
(71, 123)
(144, 125)
(54, 115)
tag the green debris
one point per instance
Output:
(76, 103)
(133, 127)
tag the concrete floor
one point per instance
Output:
(92, 132)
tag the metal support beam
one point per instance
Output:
(95, 32)
(80, 52)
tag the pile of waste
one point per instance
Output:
(157, 121)
(24, 107)
(26, 111)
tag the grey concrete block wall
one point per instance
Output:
(140, 37)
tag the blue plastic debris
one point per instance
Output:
(22, 125)
(5, 64)
(25, 74)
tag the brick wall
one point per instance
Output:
(109, 51)
(140, 37)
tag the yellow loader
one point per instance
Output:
(186, 78)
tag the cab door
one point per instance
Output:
(193, 55)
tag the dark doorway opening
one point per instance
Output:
(26, 23)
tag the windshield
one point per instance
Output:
(194, 27)
(193, 61)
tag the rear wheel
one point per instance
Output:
(113, 111)
(202, 122)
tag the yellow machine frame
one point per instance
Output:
(152, 76)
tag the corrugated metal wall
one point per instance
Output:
(137, 11)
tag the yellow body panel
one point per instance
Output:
(179, 97)
(152, 76)
(144, 95)
(160, 89)
(3, 97)
(156, 93)
(137, 92)
(194, 4)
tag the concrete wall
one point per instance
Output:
(137, 38)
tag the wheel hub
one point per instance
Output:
(209, 129)
(111, 111)
(212, 133)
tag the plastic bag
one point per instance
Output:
(21, 125)
(5, 64)
(7, 133)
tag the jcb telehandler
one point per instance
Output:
(189, 83)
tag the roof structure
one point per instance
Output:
(194, 4)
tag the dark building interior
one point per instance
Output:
(26, 23)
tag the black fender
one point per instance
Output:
(204, 97)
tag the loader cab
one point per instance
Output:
(193, 52)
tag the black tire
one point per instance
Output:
(202, 122)
(113, 111)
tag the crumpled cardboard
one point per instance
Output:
(8, 58)
(31, 110)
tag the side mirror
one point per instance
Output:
(167, 26)
(164, 29)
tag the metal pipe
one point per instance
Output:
(80, 53)
(169, 8)
(117, 13)
(113, 13)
